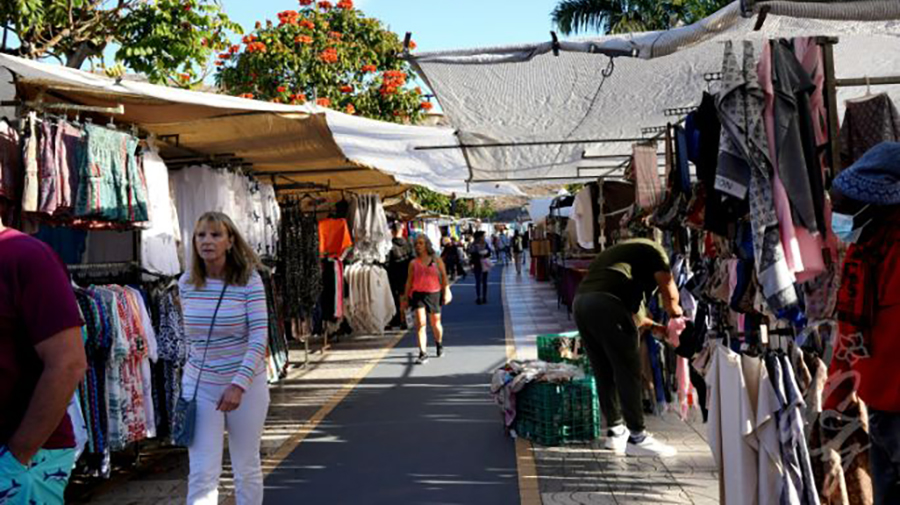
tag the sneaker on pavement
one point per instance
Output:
(440, 351)
(649, 447)
(423, 358)
(616, 443)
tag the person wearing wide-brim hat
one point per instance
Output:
(866, 199)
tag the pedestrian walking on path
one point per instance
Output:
(426, 286)
(226, 323)
(398, 269)
(480, 257)
(518, 247)
(42, 361)
(610, 309)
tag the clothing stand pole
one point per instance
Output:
(834, 151)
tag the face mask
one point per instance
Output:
(844, 228)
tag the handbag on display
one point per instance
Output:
(185, 415)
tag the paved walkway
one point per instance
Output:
(415, 433)
(364, 424)
(585, 473)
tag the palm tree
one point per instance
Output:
(624, 16)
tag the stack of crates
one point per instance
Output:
(552, 414)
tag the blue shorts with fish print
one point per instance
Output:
(42, 482)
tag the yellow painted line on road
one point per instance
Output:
(529, 491)
(272, 462)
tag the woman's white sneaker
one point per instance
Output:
(649, 447)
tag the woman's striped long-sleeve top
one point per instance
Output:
(237, 347)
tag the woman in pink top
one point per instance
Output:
(426, 283)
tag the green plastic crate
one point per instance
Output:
(549, 350)
(555, 413)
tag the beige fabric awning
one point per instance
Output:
(294, 147)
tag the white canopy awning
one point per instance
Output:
(559, 116)
(289, 144)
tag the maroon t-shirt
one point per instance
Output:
(36, 303)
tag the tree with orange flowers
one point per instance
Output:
(329, 53)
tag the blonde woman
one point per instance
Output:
(226, 323)
(425, 285)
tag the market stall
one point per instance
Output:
(753, 117)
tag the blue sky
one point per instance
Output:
(435, 24)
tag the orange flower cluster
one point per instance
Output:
(255, 47)
(426, 106)
(224, 56)
(248, 39)
(303, 39)
(350, 109)
(246, 95)
(281, 89)
(345, 4)
(323, 102)
(393, 80)
(220, 63)
(184, 77)
(369, 69)
(288, 18)
(309, 25)
(234, 49)
(347, 89)
(336, 35)
(413, 45)
(329, 55)
(325, 5)
(306, 3)
(299, 97)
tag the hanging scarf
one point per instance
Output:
(740, 106)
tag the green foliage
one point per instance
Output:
(628, 16)
(159, 38)
(163, 37)
(442, 204)
(335, 54)
(431, 200)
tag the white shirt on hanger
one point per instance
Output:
(583, 214)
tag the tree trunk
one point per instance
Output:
(79, 56)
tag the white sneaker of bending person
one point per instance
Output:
(616, 440)
(649, 447)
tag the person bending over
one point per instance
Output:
(610, 310)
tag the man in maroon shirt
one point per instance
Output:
(42, 361)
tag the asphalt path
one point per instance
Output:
(415, 434)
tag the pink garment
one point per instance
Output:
(682, 375)
(648, 188)
(425, 278)
(786, 228)
(683, 381)
(339, 292)
(673, 330)
(809, 53)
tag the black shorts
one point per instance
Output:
(430, 301)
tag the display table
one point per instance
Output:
(572, 275)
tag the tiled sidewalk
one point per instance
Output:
(585, 473)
